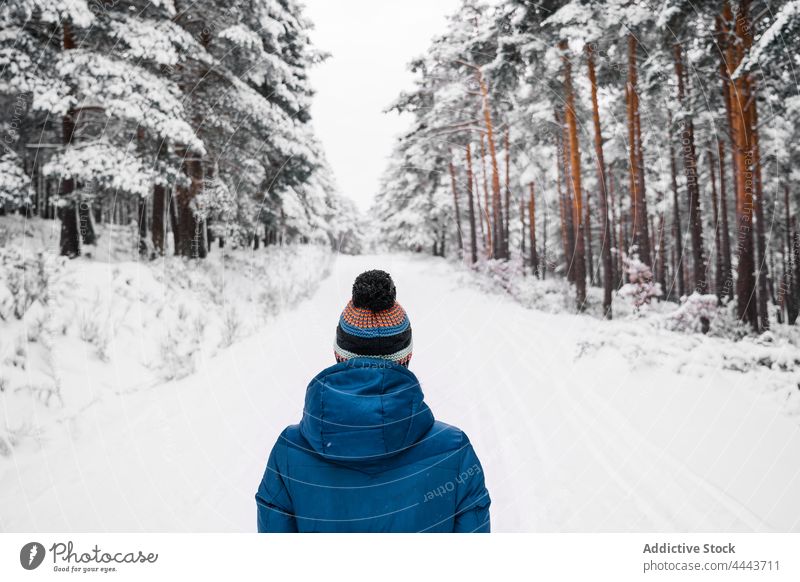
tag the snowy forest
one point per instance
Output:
(189, 118)
(590, 210)
(641, 148)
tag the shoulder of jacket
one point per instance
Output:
(293, 442)
(291, 436)
(446, 436)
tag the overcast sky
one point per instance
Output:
(371, 42)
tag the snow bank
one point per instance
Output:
(73, 333)
(665, 334)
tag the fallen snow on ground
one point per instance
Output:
(75, 333)
(663, 333)
(581, 424)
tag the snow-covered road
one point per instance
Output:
(595, 443)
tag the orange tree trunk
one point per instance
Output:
(605, 227)
(641, 237)
(486, 214)
(497, 203)
(565, 201)
(743, 152)
(575, 182)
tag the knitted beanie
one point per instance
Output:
(373, 324)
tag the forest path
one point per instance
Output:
(594, 443)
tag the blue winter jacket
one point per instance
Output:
(369, 457)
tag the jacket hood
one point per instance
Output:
(364, 409)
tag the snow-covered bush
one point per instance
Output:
(640, 288)
(696, 313)
(504, 273)
(180, 346)
(93, 331)
(728, 324)
(232, 326)
(27, 278)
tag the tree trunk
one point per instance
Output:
(588, 244)
(142, 218)
(543, 258)
(719, 267)
(532, 229)
(677, 230)
(791, 285)
(497, 203)
(506, 226)
(70, 245)
(455, 206)
(158, 223)
(173, 219)
(641, 237)
(796, 256)
(486, 213)
(692, 186)
(473, 237)
(522, 230)
(618, 220)
(575, 183)
(661, 248)
(723, 40)
(86, 222)
(727, 267)
(567, 226)
(605, 227)
(758, 204)
(191, 242)
(566, 239)
(743, 152)
(479, 210)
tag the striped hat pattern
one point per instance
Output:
(365, 330)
